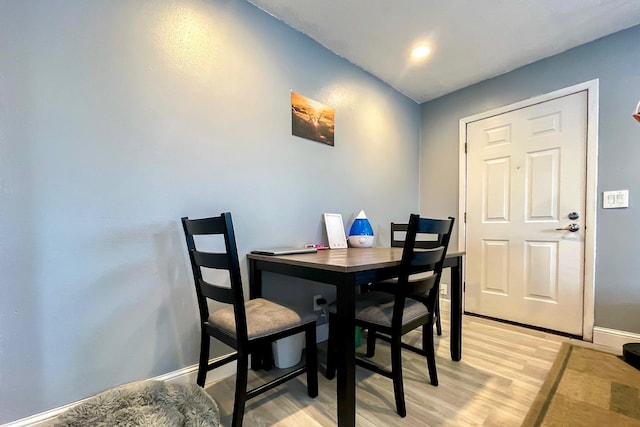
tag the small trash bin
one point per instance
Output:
(287, 352)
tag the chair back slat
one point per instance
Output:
(434, 226)
(397, 228)
(217, 293)
(427, 257)
(205, 226)
(211, 260)
(421, 244)
(418, 286)
(227, 260)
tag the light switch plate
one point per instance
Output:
(615, 199)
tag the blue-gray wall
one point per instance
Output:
(119, 117)
(615, 60)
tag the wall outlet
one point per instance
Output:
(316, 306)
(444, 289)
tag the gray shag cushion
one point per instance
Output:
(377, 307)
(145, 403)
(264, 317)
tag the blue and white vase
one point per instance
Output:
(361, 233)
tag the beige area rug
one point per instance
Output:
(587, 387)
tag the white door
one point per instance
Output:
(526, 174)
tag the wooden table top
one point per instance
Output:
(345, 260)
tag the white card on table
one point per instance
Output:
(335, 231)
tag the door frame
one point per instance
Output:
(591, 188)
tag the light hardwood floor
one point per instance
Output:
(502, 368)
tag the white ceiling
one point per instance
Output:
(472, 40)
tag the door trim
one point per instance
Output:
(591, 189)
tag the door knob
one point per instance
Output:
(571, 227)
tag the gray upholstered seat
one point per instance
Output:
(264, 318)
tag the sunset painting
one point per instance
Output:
(311, 119)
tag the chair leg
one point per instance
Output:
(396, 369)
(371, 342)
(267, 357)
(429, 348)
(311, 360)
(256, 360)
(437, 314)
(330, 372)
(241, 389)
(262, 358)
(203, 364)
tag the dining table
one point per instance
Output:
(348, 270)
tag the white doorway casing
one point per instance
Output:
(591, 88)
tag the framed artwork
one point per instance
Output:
(311, 119)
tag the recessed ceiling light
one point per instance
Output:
(421, 52)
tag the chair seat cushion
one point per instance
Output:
(264, 317)
(377, 308)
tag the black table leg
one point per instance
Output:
(255, 280)
(346, 363)
(255, 291)
(456, 310)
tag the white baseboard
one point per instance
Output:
(189, 375)
(613, 338)
(186, 375)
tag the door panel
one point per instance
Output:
(526, 171)
(542, 185)
(495, 277)
(497, 190)
(541, 267)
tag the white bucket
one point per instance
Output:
(287, 352)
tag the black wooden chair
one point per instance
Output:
(247, 326)
(390, 310)
(396, 242)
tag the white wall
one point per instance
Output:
(119, 117)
